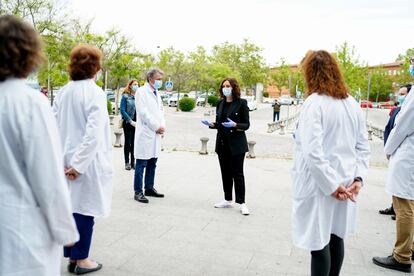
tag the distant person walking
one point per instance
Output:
(276, 110)
(327, 175)
(129, 117)
(232, 120)
(82, 115)
(35, 211)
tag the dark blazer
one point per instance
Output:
(234, 137)
(390, 124)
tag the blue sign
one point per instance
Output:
(169, 85)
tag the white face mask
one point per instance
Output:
(227, 91)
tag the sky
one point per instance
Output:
(380, 30)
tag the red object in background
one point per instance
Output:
(386, 105)
(366, 104)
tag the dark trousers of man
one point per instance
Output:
(80, 250)
(328, 261)
(276, 114)
(232, 171)
(149, 167)
(129, 134)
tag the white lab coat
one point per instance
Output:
(82, 115)
(150, 117)
(400, 145)
(35, 211)
(331, 150)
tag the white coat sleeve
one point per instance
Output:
(45, 172)
(362, 147)
(311, 133)
(86, 151)
(404, 126)
(143, 112)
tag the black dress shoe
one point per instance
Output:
(393, 217)
(71, 267)
(388, 211)
(390, 263)
(83, 270)
(141, 198)
(153, 192)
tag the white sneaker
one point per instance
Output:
(223, 204)
(244, 210)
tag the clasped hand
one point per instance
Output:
(350, 193)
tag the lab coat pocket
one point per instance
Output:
(303, 184)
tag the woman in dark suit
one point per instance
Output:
(232, 120)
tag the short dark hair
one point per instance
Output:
(408, 86)
(20, 48)
(235, 91)
(85, 62)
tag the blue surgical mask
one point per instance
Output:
(158, 84)
(401, 99)
(227, 91)
(411, 69)
(134, 88)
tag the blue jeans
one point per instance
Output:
(80, 250)
(149, 166)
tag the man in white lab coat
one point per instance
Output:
(82, 115)
(150, 125)
(400, 184)
(35, 211)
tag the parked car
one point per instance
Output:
(387, 105)
(286, 100)
(251, 102)
(366, 104)
(201, 101)
(375, 105)
(173, 100)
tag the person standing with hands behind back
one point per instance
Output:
(232, 120)
(327, 174)
(129, 117)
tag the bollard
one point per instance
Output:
(282, 128)
(381, 134)
(111, 119)
(204, 141)
(118, 135)
(271, 127)
(251, 149)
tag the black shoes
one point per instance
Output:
(388, 211)
(153, 192)
(127, 166)
(393, 217)
(390, 263)
(73, 268)
(82, 270)
(141, 198)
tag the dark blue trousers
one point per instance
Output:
(149, 166)
(80, 250)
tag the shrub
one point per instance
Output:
(109, 106)
(186, 104)
(213, 100)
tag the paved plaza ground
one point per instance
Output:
(183, 234)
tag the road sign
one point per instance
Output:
(169, 85)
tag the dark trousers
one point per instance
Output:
(149, 167)
(276, 114)
(80, 250)
(129, 134)
(328, 261)
(232, 171)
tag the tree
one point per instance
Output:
(280, 75)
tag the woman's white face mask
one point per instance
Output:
(227, 91)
